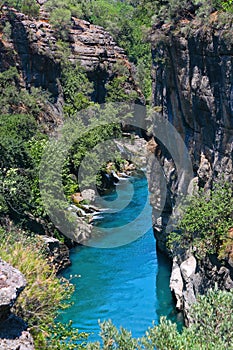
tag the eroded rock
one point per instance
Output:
(58, 253)
(13, 330)
(12, 283)
(177, 285)
(193, 90)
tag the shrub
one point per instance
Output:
(206, 221)
(61, 21)
(44, 294)
(211, 330)
(76, 88)
(29, 7)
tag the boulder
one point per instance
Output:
(12, 283)
(13, 330)
(176, 284)
(89, 195)
(188, 268)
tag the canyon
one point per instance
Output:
(192, 89)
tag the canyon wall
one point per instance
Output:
(33, 46)
(193, 90)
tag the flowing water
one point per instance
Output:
(128, 284)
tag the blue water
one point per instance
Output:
(128, 284)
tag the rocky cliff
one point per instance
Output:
(13, 330)
(193, 89)
(33, 47)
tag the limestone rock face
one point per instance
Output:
(33, 48)
(14, 336)
(193, 90)
(12, 282)
(177, 285)
(13, 330)
(191, 276)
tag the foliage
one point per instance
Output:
(7, 32)
(226, 5)
(44, 294)
(21, 146)
(172, 11)
(206, 222)
(116, 91)
(15, 130)
(61, 337)
(29, 7)
(14, 99)
(76, 88)
(60, 20)
(35, 148)
(211, 329)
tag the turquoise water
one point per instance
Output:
(128, 284)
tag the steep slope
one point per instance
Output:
(193, 89)
(33, 46)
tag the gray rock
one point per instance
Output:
(188, 268)
(193, 90)
(177, 285)
(41, 2)
(89, 195)
(12, 283)
(58, 253)
(14, 335)
(13, 330)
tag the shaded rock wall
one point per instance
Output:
(193, 89)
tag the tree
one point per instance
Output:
(61, 21)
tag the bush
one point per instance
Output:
(76, 88)
(44, 294)
(29, 7)
(61, 21)
(19, 161)
(15, 100)
(206, 222)
(211, 330)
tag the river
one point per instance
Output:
(128, 284)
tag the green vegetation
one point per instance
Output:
(17, 172)
(205, 225)
(211, 329)
(14, 99)
(29, 7)
(76, 88)
(44, 294)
